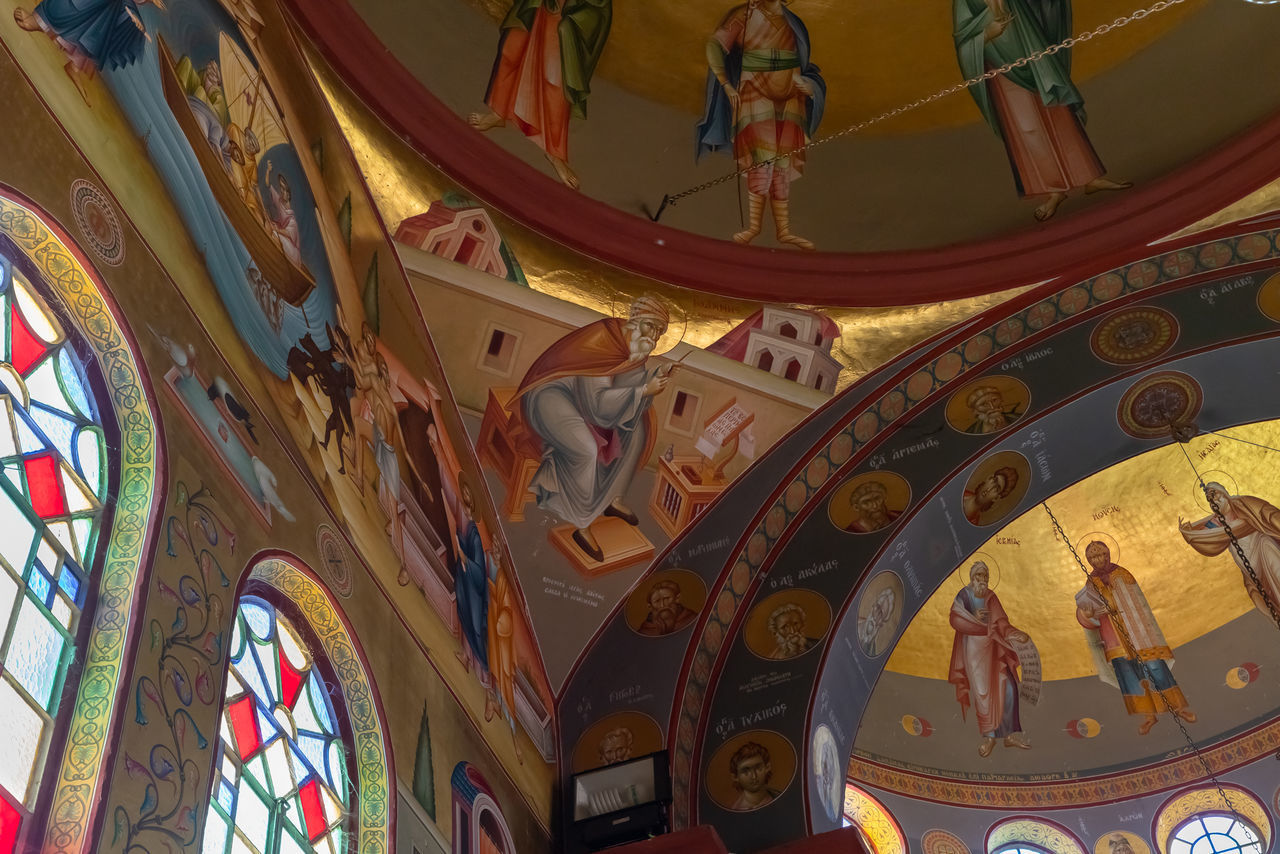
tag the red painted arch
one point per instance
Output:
(1070, 248)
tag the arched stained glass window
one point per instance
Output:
(282, 779)
(53, 482)
(1214, 833)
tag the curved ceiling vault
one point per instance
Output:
(1090, 377)
(919, 208)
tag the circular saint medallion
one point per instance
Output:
(1134, 335)
(1157, 402)
(750, 770)
(97, 220)
(334, 557)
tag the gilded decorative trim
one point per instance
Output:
(1184, 805)
(1029, 831)
(81, 772)
(370, 750)
(1184, 770)
(876, 823)
(895, 406)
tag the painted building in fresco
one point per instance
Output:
(396, 422)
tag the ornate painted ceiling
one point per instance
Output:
(881, 192)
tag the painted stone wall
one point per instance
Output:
(239, 346)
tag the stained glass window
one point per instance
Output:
(281, 784)
(53, 482)
(1212, 833)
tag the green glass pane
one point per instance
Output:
(23, 729)
(19, 533)
(34, 658)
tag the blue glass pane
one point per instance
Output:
(226, 797)
(58, 429)
(313, 749)
(40, 584)
(320, 702)
(258, 618)
(69, 581)
(72, 384)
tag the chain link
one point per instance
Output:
(1118, 623)
(1022, 62)
(1235, 543)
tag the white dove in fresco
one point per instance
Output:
(183, 359)
(267, 483)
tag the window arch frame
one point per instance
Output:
(297, 593)
(1032, 834)
(70, 799)
(1186, 804)
(1235, 819)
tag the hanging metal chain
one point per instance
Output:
(1123, 632)
(1124, 20)
(1235, 543)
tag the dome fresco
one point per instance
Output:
(392, 453)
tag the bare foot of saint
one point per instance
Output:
(26, 20)
(566, 174)
(1050, 206)
(78, 78)
(486, 121)
(1097, 185)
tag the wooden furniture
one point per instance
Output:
(680, 494)
(515, 459)
(701, 839)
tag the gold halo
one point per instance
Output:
(1108, 540)
(620, 305)
(1209, 477)
(993, 568)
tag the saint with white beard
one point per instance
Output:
(588, 399)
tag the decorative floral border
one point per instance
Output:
(1182, 771)
(370, 750)
(1184, 805)
(890, 408)
(81, 772)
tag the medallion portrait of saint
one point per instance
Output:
(869, 502)
(787, 624)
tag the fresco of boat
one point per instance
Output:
(252, 110)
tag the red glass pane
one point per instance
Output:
(290, 680)
(10, 821)
(312, 811)
(45, 487)
(244, 724)
(25, 349)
